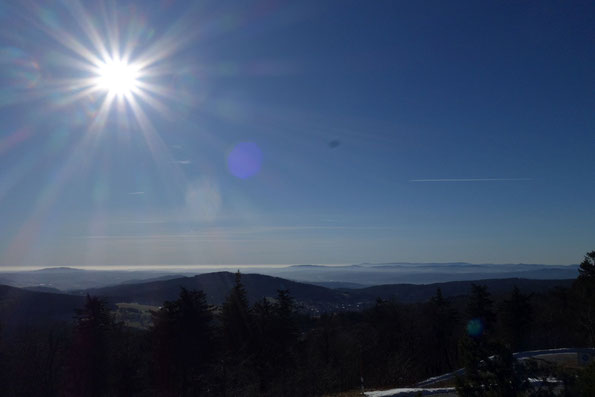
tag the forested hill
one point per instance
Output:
(217, 285)
(20, 307)
(412, 293)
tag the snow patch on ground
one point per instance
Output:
(411, 391)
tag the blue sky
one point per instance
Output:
(298, 132)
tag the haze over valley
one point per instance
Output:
(350, 276)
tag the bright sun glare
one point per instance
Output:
(117, 77)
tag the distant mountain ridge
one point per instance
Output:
(411, 293)
(365, 274)
(424, 273)
(68, 278)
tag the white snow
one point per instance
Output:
(410, 391)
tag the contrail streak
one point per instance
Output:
(472, 180)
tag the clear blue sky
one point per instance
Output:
(276, 132)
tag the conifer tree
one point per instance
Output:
(236, 318)
(442, 330)
(479, 310)
(285, 316)
(584, 290)
(515, 318)
(587, 267)
(183, 339)
(90, 359)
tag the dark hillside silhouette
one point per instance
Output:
(256, 342)
(19, 306)
(217, 285)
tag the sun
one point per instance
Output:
(117, 77)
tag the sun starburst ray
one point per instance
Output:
(147, 98)
(160, 91)
(92, 33)
(104, 73)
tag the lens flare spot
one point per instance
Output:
(21, 71)
(203, 200)
(245, 160)
(475, 327)
(19, 136)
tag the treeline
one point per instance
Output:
(269, 349)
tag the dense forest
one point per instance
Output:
(270, 349)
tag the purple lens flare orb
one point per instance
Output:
(244, 160)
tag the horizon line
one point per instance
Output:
(182, 268)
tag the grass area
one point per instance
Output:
(135, 315)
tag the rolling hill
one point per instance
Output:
(411, 293)
(217, 285)
(20, 306)
(24, 306)
(314, 298)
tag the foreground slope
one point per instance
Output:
(19, 306)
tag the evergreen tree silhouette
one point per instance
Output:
(90, 360)
(479, 308)
(584, 291)
(516, 316)
(236, 318)
(183, 344)
(238, 340)
(444, 321)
